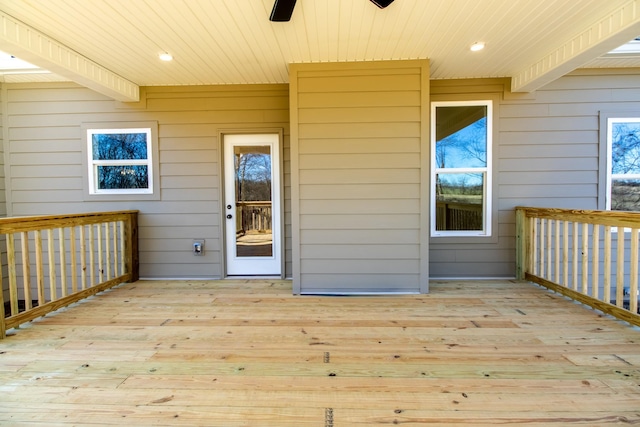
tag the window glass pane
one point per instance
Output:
(122, 177)
(461, 136)
(625, 148)
(459, 201)
(625, 195)
(119, 146)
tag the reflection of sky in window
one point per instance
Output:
(465, 148)
(625, 148)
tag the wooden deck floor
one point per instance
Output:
(238, 353)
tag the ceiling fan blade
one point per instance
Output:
(382, 3)
(282, 10)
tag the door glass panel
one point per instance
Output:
(254, 235)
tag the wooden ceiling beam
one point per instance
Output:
(617, 28)
(29, 44)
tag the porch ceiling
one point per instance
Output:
(112, 46)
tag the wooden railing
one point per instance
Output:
(54, 261)
(458, 216)
(590, 256)
(253, 216)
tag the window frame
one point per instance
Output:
(610, 176)
(91, 192)
(487, 171)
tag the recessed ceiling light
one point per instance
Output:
(165, 57)
(477, 46)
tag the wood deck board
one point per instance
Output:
(248, 353)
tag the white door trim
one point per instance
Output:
(251, 265)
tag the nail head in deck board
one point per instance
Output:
(534, 377)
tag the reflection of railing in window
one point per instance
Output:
(458, 216)
(253, 216)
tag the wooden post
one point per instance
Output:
(522, 242)
(131, 241)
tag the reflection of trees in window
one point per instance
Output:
(118, 148)
(253, 177)
(465, 148)
(625, 166)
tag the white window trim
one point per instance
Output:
(611, 176)
(487, 171)
(88, 181)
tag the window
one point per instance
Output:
(461, 168)
(623, 164)
(120, 161)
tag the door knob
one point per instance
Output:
(229, 216)
(229, 206)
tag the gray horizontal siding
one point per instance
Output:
(358, 177)
(358, 158)
(548, 152)
(46, 167)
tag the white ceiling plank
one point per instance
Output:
(620, 26)
(233, 42)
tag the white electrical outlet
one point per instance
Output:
(198, 247)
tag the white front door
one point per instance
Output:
(252, 204)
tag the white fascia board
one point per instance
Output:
(612, 31)
(29, 44)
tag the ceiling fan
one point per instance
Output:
(283, 9)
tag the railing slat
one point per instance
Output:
(92, 265)
(100, 265)
(633, 280)
(116, 259)
(83, 258)
(620, 269)
(39, 267)
(63, 262)
(53, 287)
(595, 274)
(549, 249)
(585, 258)
(556, 261)
(565, 254)
(107, 251)
(13, 281)
(74, 259)
(26, 270)
(574, 270)
(607, 264)
(534, 249)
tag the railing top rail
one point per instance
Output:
(27, 223)
(611, 218)
(254, 203)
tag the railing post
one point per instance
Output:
(522, 241)
(3, 328)
(131, 238)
